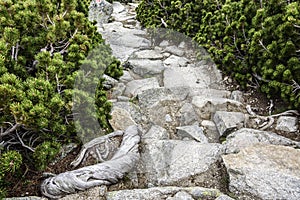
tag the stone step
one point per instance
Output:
(168, 193)
(264, 171)
(180, 163)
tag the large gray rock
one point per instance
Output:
(148, 54)
(287, 123)
(124, 114)
(174, 50)
(192, 132)
(247, 137)
(126, 77)
(118, 7)
(226, 122)
(163, 113)
(180, 163)
(206, 106)
(156, 133)
(187, 115)
(133, 88)
(184, 77)
(120, 119)
(146, 67)
(149, 97)
(176, 61)
(264, 172)
(170, 193)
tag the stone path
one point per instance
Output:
(184, 112)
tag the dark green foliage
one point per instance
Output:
(256, 42)
(10, 162)
(43, 44)
(44, 153)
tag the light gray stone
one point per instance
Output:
(247, 137)
(188, 77)
(186, 115)
(192, 132)
(168, 118)
(224, 197)
(227, 122)
(109, 82)
(264, 172)
(129, 40)
(174, 50)
(126, 77)
(162, 113)
(118, 7)
(176, 162)
(208, 92)
(206, 106)
(287, 124)
(176, 61)
(118, 90)
(120, 119)
(122, 52)
(210, 130)
(123, 98)
(148, 54)
(156, 133)
(160, 193)
(182, 45)
(91, 194)
(133, 88)
(164, 43)
(149, 97)
(146, 67)
(131, 108)
(180, 196)
(237, 96)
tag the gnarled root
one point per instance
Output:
(106, 173)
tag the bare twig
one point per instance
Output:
(12, 129)
(50, 20)
(263, 46)
(296, 26)
(23, 144)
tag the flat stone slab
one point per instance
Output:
(148, 54)
(168, 193)
(199, 77)
(247, 137)
(135, 87)
(156, 133)
(264, 172)
(180, 163)
(192, 132)
(149, 97)
(146, 67)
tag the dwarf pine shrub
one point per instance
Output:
(256, 42)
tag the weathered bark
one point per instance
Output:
(106, 173)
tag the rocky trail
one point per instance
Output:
(197, 139)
